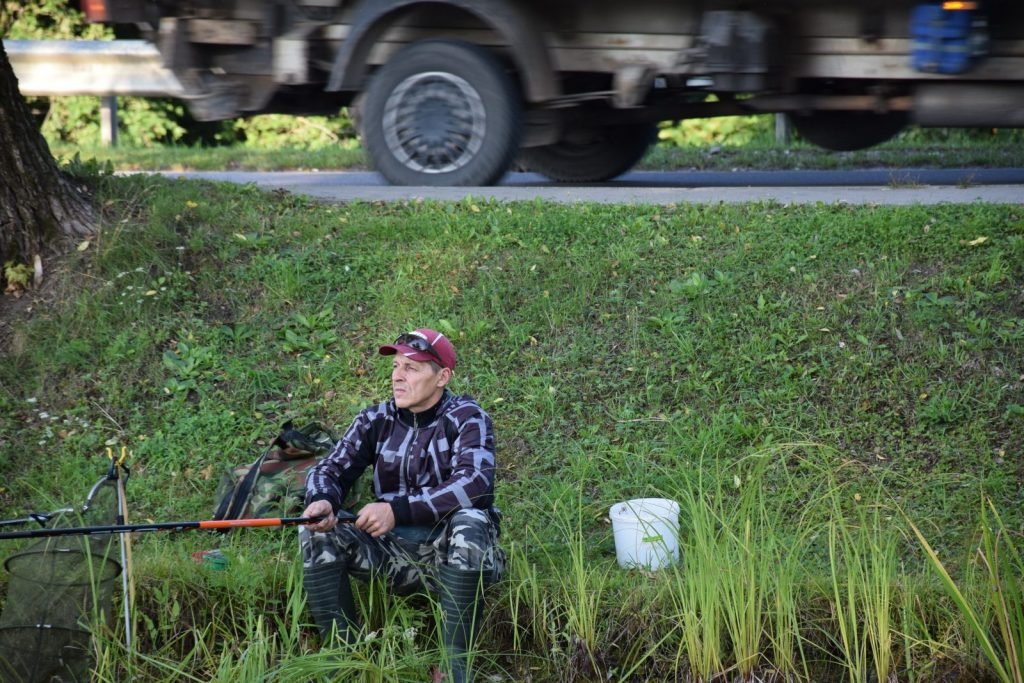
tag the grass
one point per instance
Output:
(1001, 568)
(833, 394)
(927, 148)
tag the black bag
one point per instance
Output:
(273, 485)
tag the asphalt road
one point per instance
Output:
(867, 186)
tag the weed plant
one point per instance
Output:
(833, 394)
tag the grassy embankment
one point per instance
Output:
(812, 384)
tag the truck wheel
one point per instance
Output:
(845, 131)
(588, 155)
(442, 112)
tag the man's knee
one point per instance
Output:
(321, 548)
(471, 520)
(472, 542)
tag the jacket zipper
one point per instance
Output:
(403, 471)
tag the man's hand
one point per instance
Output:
(376, 519)
(320, 508)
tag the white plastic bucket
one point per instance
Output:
(646, 532)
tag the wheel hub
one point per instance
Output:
(434, 122)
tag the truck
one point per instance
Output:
(458, 92)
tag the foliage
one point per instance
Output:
(271, 131)
(17, 275)
(759, 130)
(49, 19)
(735, 131)
(776, 369)
(85, 168)
(959, 136)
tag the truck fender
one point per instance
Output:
(527, 40)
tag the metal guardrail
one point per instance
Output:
(103, 68)
(50, 68)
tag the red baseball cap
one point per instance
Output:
(423, 345)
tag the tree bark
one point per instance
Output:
(39, 203)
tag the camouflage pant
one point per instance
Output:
(408, 557)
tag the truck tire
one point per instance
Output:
(846, 131)
(442, 113)
(591, 155)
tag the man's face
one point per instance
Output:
(415, 385)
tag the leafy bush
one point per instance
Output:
(271, 131)
(50, 19)
(725, 130)
(913, 134)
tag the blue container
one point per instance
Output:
(942, 39)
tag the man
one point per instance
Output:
(432, 524)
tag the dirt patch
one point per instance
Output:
(13, 310)
(17, 307)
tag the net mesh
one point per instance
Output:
(59, 590)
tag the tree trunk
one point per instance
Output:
(38, 202)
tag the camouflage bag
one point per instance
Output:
(273, 485)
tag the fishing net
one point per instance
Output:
(60, 589)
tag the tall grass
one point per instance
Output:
(746, 569)
(785, 656)
(863, 561)
(994, 611)
(530, 613)
(696, 602)
(579, 589)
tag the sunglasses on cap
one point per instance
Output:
(418, 343)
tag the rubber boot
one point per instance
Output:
(329, 594)
(462, 611)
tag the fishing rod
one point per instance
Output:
(218, 524)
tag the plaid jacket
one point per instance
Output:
(425, 464)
